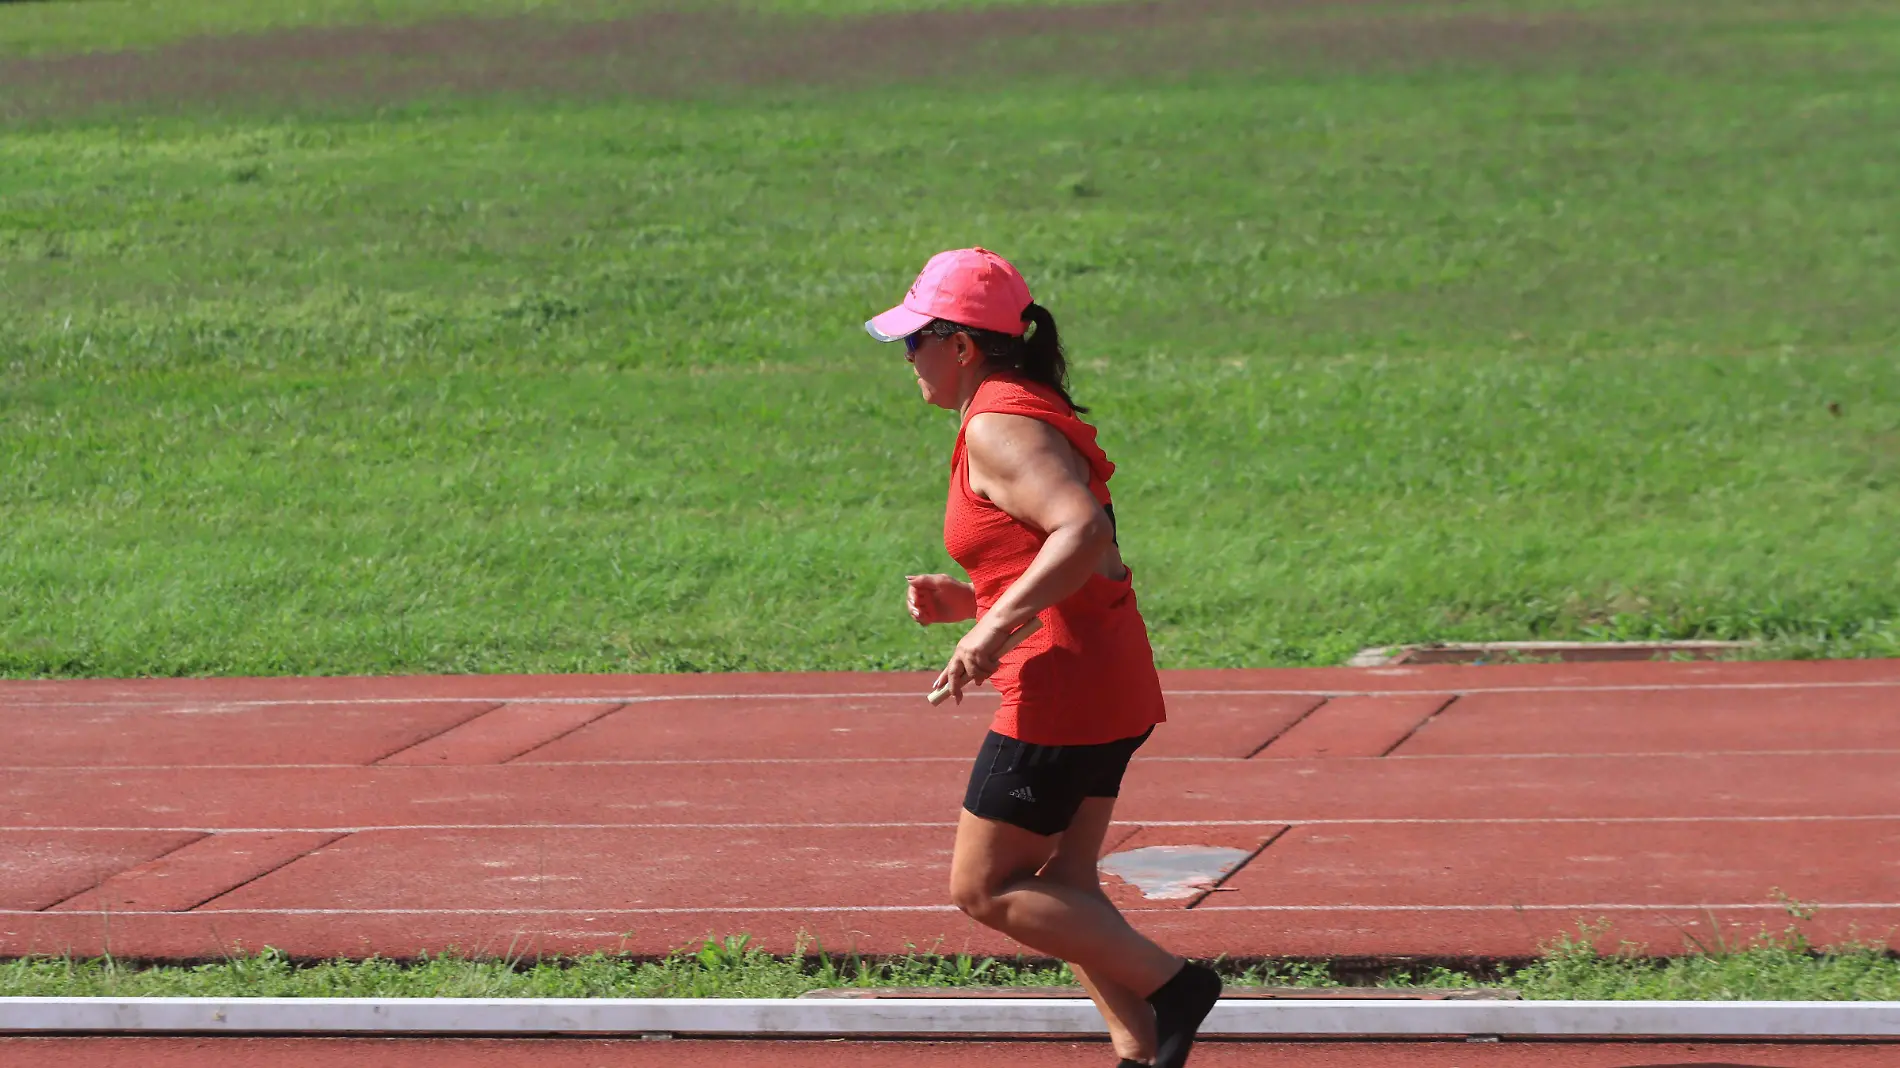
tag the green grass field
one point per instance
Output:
(1589, 332)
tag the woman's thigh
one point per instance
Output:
(1079, 849)
(991, 854)
(1035, 808)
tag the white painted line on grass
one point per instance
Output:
(936, 1016)
(930, 824)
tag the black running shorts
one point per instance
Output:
(1040, 787)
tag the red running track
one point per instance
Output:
(1435, 810)
(626, 1053)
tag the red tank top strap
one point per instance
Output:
(1010, 395)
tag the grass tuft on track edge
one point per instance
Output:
(1769, 967)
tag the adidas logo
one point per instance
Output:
(1023, 794)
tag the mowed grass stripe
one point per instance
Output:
(57, 27)
(520, 385)
(430, 49)
(69, 27)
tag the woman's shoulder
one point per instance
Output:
(1015, 395)
(1009, 395)
(991, 430)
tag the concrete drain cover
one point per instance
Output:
(1165, 873)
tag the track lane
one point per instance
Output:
(355, 816)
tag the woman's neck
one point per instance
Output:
(969, 391)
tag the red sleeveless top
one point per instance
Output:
(1088, 676)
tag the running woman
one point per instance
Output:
(1030, 521)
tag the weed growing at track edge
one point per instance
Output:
(1767, 968)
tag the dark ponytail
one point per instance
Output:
(1042, 357)
(1035, 354)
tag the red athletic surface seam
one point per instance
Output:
(1236, 869)
(113, 874)
(1420, 725)
(1277, 735)
(275, 867)
(544, 743)
(433, 735)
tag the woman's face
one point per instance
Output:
(940, 363)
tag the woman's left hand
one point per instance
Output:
(974, 661)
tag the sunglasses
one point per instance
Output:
(915, 340)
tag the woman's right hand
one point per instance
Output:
(939, 599)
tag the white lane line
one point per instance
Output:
(1770, 906)
(724, 910)
(1582, 687)
(401, 769)
(1259, 761)
(1611, 755)
(940, 824)
(657, 911)
(188, 706)
(667, 1017)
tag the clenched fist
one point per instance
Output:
(939, 599)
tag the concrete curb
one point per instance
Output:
(933, 1016)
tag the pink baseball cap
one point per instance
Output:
(971, 286)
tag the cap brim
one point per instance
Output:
(897, 324)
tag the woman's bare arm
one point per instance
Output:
(1028, 469)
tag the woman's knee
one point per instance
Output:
(975, 898)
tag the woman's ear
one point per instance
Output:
(967, 352)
